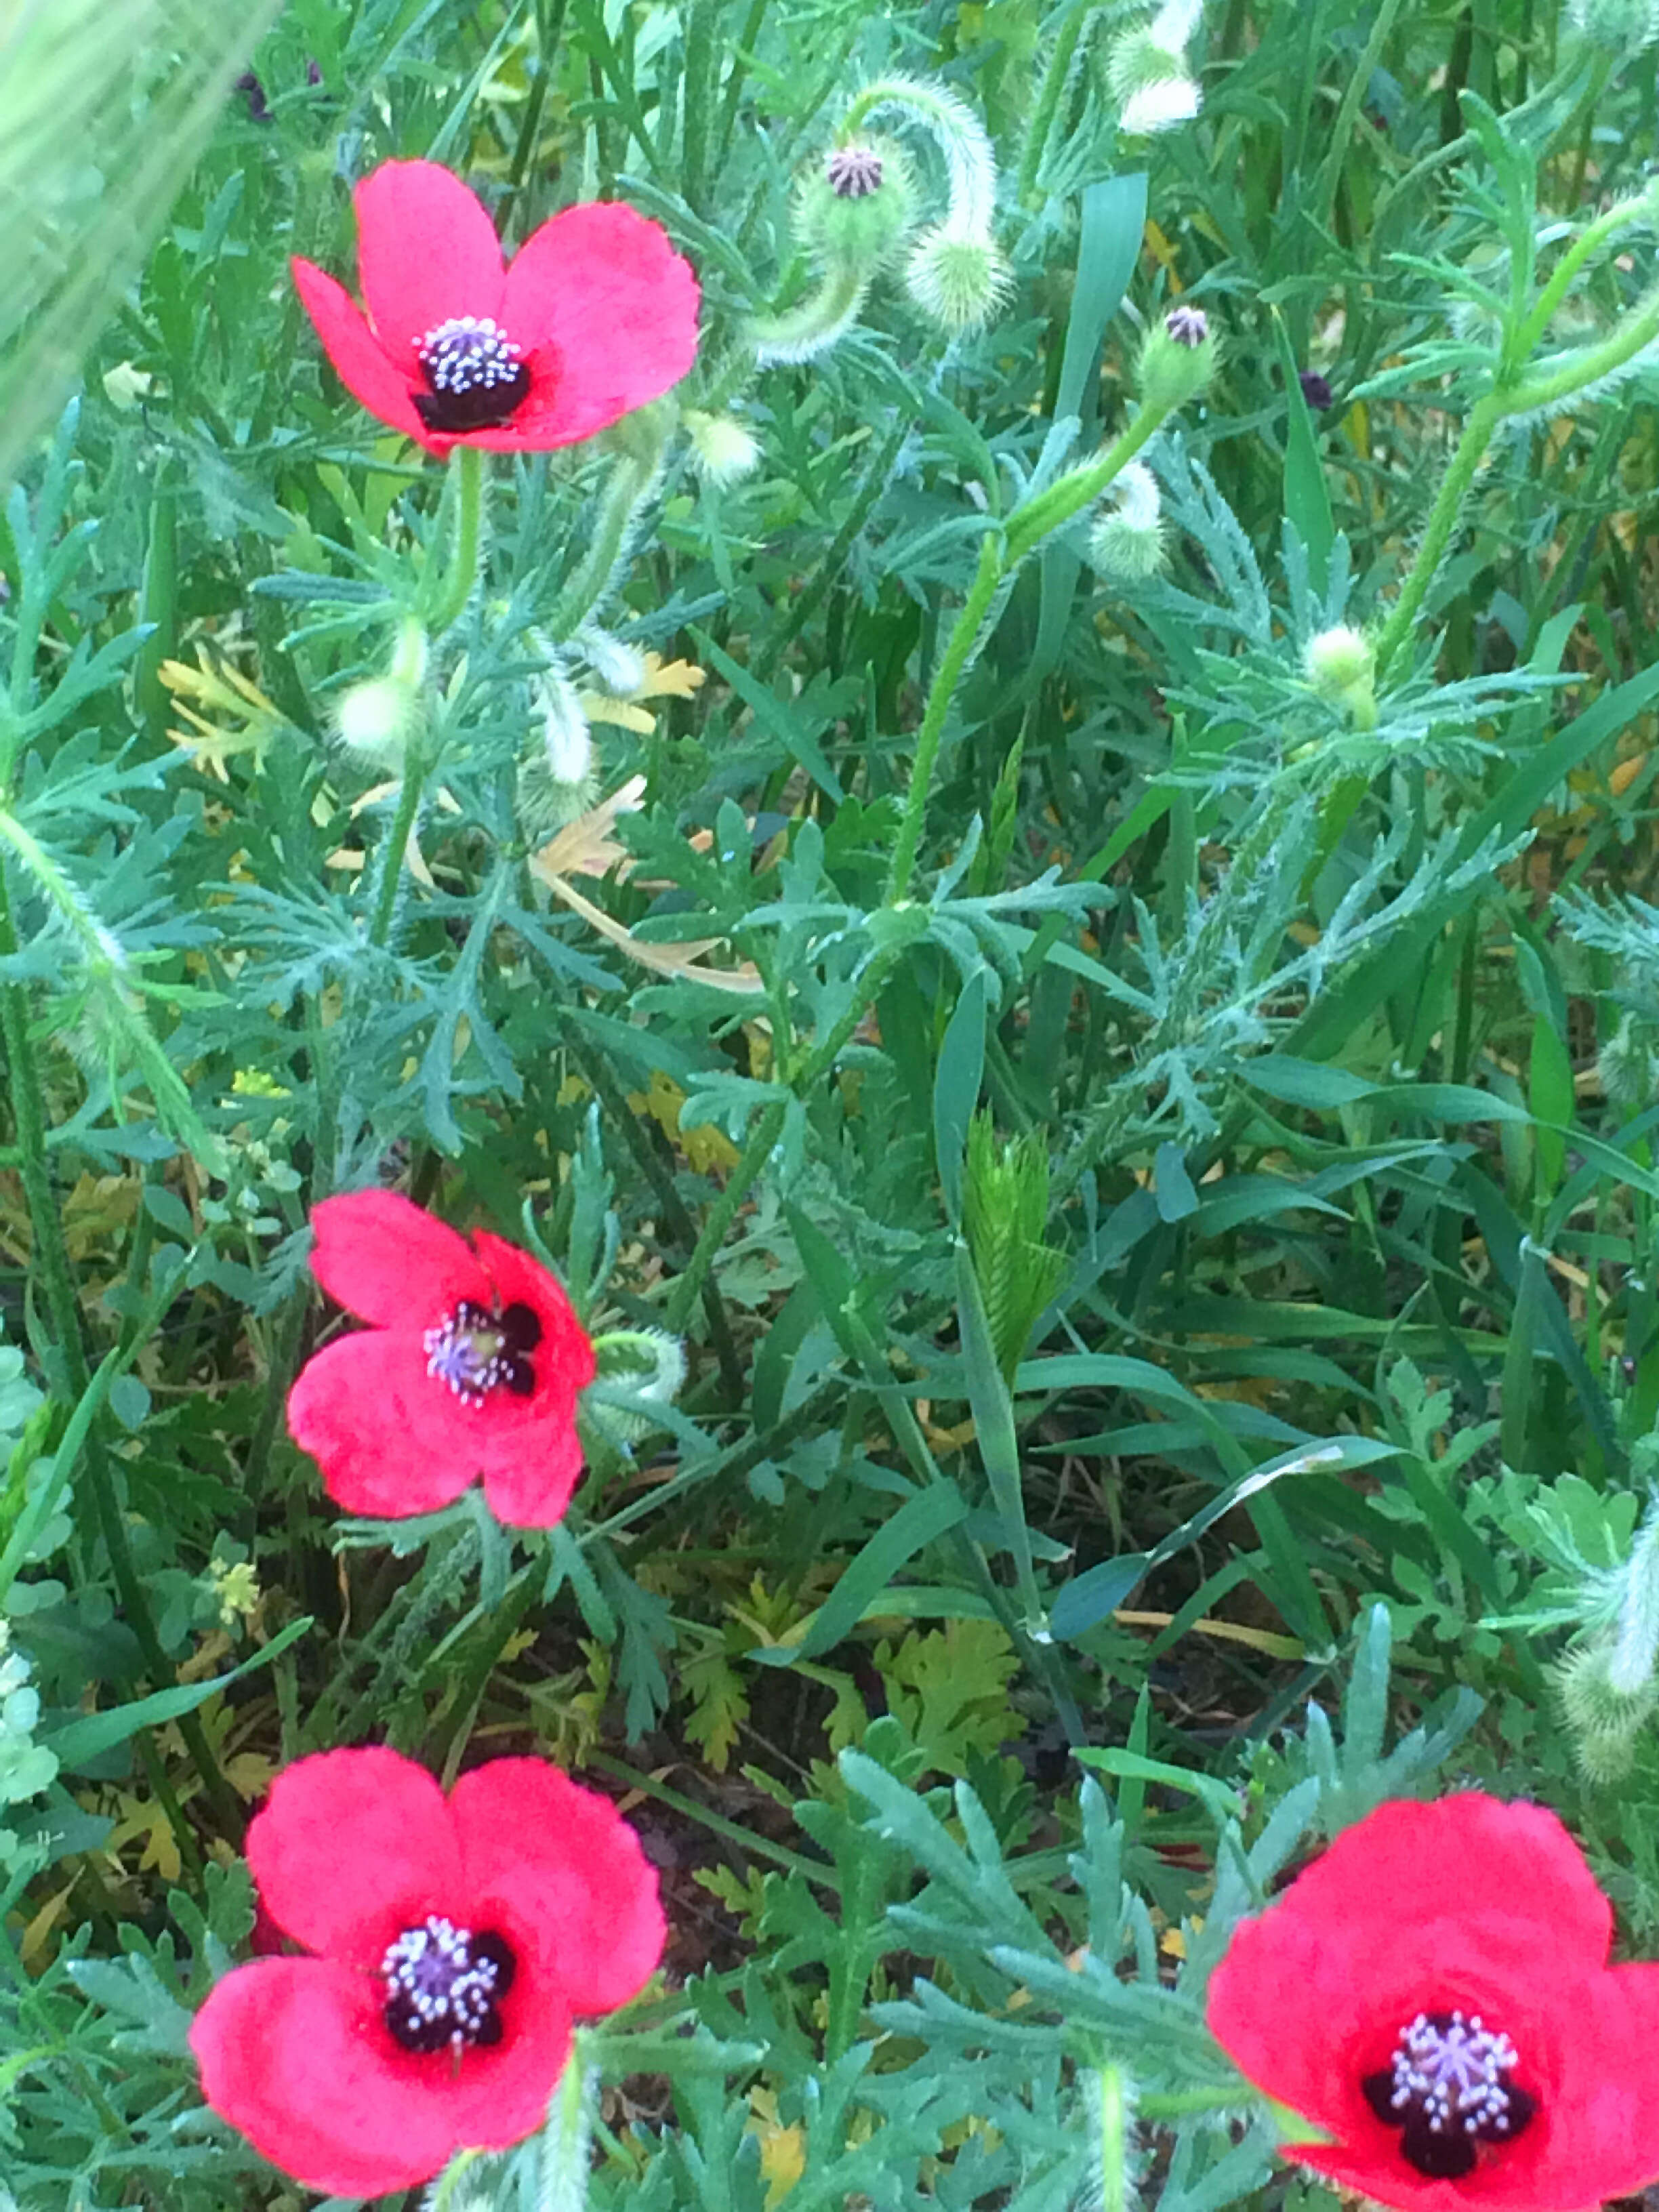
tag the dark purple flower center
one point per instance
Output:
(476, 1350)
(442, 1986)
(477, 376)
(1449, 2088)
(855, 172)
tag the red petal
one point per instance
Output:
(291, 2054)
(427, 250)
(529, 1483)
(384, 1258)
(389, 1441)
(1465, 1903)
(607, 313)
(372, 381)
(561, 1859)
(350, 1848)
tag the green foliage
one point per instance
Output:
(1104, 1113)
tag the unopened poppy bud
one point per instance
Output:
(958, 277)
(1338, 663)
(1147, 70)
(855, 207)
(722, 450)
(1603, 1722)
(1127, 545)
(1621, 27)
(1177, 359)
(377, 718)
(1628, 1066)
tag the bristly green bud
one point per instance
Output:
(854, 206)
(646, 1362)
(377, 718)
(1127, 545)
(1339, 664)
(1620, 28)
(1177, 359)
(1629, 1066)
(1147, 70)
(1604, 1722)
(723, 450)
(960, 278)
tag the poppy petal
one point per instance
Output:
(390, 1440)
(601, 290)
(565, 1348)
(350, 1848)
(289, 2055)
(529, 1484)
(1600, 2137)
(427, 250)
(386, 1260)
(372, 379)
(563, 1858)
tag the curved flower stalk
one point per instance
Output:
(470, 1368)
(1147, 70)
(856, 211)
(1434, 1996)
(595, 315)
(448, 1942)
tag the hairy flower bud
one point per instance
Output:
(1620, 28)
(1602, 1720)
(957, 277)
(723, 450)
(1126, 545)
(377, 718)
(1147, 70)
(1339, 665)
(854, 206)
(1629, 1066)
(1177, 359)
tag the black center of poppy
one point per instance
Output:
(1449, 2089)
(476, 1350)
(477, 377)
(442, 1986)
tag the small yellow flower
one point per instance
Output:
(672, 679)
(245, 720)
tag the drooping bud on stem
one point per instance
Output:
(1339, 665)
(376, 718)
(1147, 70)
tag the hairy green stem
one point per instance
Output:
(631, 479)
(409, 791)
(1049, 97)
(999, 557)
(1478, 432)
(461, 572)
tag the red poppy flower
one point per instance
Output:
(472, 1366)
(1434, 1994)
(595, 315)
(452, 1940)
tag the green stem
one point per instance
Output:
(409, 792)
(1049, 97)
(52, 1257)
(1594, 235)
(466, 475)
(1176, 2104)
(1478, 431)
(997, 558)
(631, 480)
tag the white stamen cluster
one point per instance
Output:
(467, 353)
(1454, 2074)
(430, 1972)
